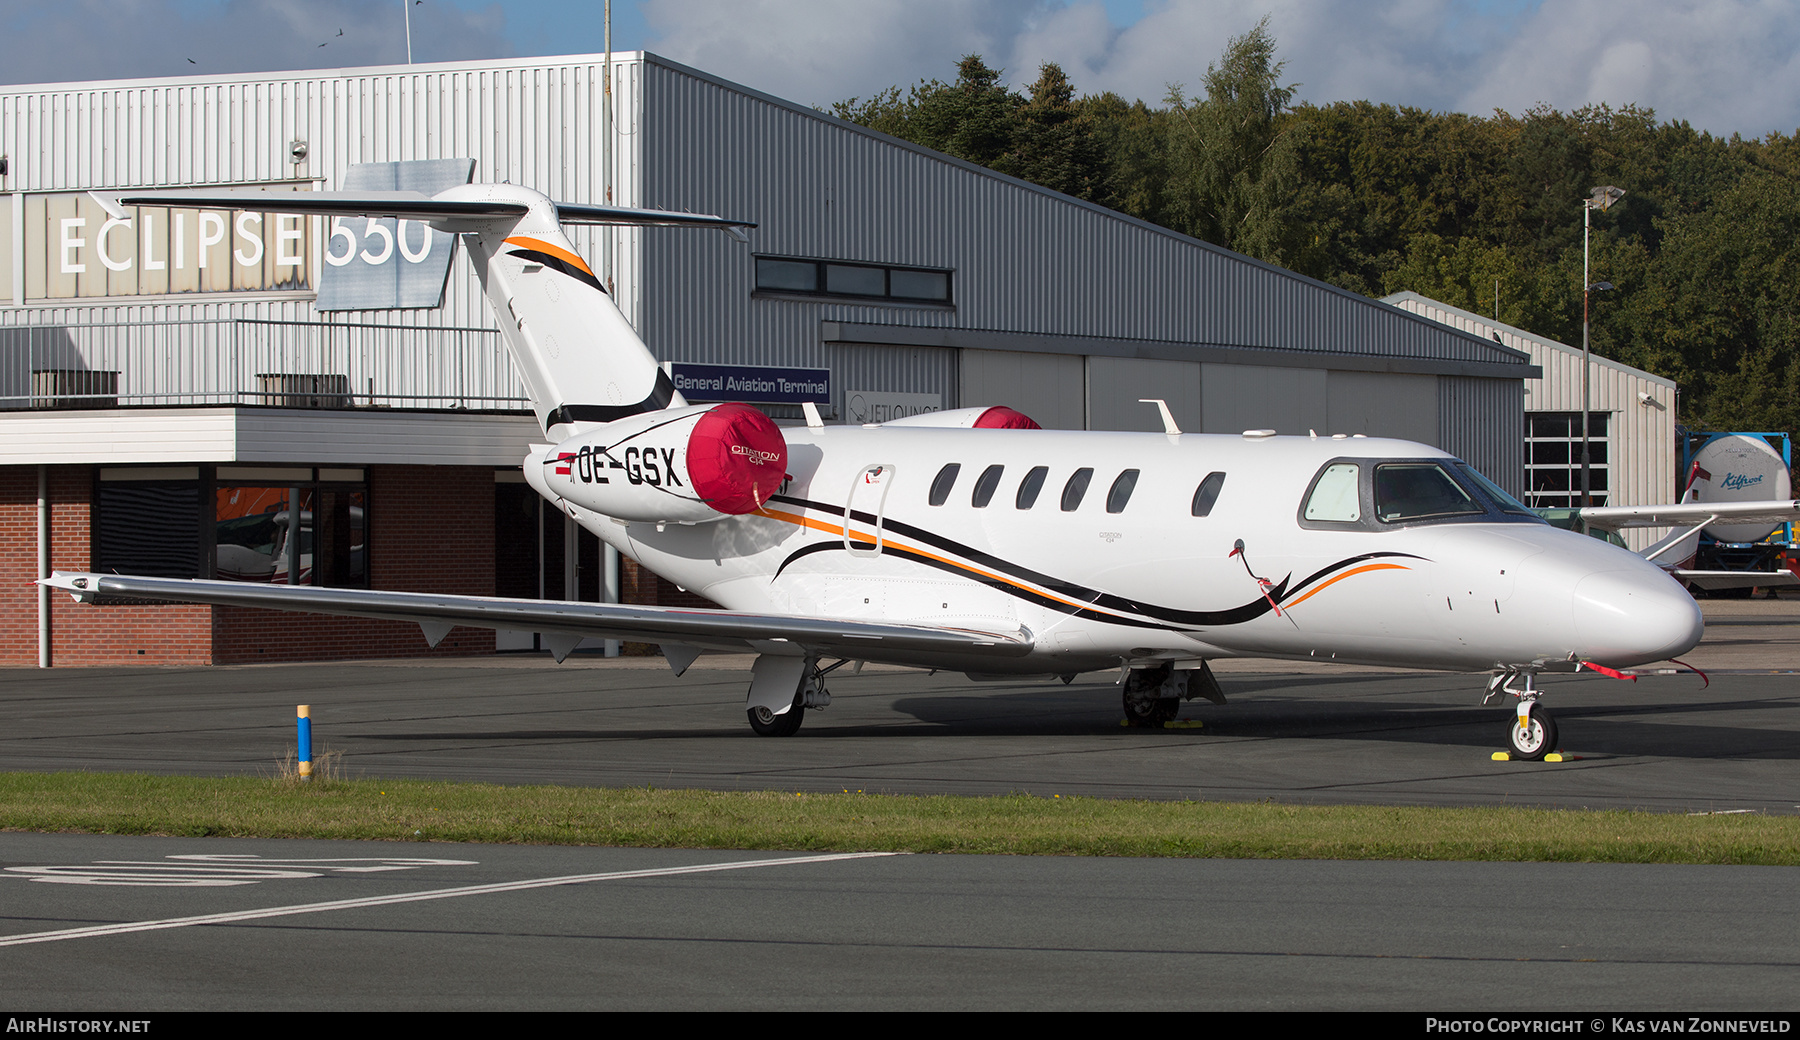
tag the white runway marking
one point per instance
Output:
(215, 870)
(414, 897)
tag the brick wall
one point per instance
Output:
(80, 634)
(431, 529)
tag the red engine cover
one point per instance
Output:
(736, 458)
(1001, 417)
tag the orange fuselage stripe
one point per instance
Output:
(1354, 570)
(546, 247)
(837, 530)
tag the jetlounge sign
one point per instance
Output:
(73, 249)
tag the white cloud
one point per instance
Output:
(117, 39)
(1723, 65)
(819, 51)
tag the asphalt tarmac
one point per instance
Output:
(1312, 734)
(99, 922)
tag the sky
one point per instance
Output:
(1724, 66)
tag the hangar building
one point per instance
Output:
(172, 381)
(1631, 421)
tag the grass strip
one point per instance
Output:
(1017, 824)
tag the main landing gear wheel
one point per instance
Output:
(1150, 712)
(768, 724)
(1534, 740)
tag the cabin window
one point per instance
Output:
(1076, 488)
(985, 486)
(1417, 490)
(1030, 486)
(1120, 493)
(946, 479)
(1334, 496)
(1208, 493)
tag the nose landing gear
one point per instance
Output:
(1531, 733)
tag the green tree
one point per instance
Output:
(1234, 156)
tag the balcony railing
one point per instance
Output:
(252, 362)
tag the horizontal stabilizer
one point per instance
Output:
(405, 205)
(703, 629)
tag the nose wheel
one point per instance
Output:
(1531, 732)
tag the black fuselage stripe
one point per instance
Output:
(557, 263)
(1168, 617)
(1093, 597)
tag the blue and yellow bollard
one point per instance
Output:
(303, 740)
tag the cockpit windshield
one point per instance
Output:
(1406, 491)
(1506, 502)
(1376, 494)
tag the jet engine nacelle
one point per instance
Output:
(680, 465)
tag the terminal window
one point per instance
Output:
(234, 523)
(777, 274)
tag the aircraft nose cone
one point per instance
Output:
(1631, 617)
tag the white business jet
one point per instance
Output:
(968, 540)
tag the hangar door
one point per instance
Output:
(1048, 387)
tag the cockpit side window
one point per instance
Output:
(1334, 497)
(1417, 490)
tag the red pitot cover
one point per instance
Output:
(736, 458)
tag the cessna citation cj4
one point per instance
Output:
(971, 540)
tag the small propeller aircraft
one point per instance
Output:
(970, 540)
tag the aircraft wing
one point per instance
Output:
(1713, 581)
(565, 624)
(1680, 514)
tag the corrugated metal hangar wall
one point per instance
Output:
(1063, 309)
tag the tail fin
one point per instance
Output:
(580, 359)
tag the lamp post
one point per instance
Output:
(1601, 199)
